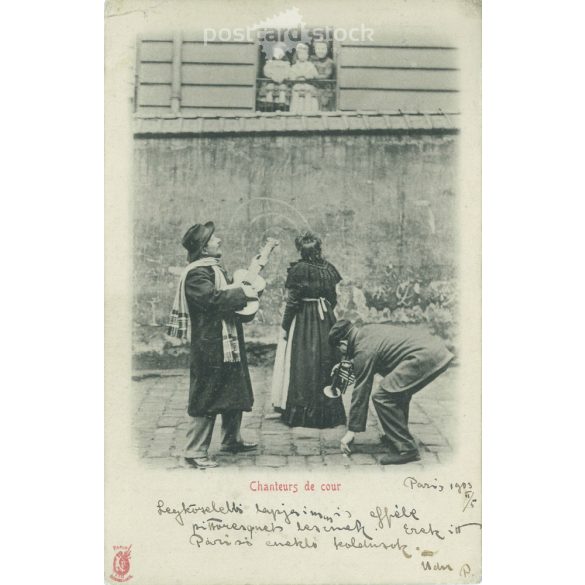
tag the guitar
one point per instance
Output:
(251, 276)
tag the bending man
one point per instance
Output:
(407, 360)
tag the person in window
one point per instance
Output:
(321, 60)
(325, 68)
(304, 356)
(275, 95)
(304, 96)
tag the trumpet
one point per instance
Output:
(341, 378)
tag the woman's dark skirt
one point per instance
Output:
(312, 359)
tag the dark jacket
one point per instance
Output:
(309, 280)
(215, 386)
(407, 359)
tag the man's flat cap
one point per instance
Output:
(339, 331)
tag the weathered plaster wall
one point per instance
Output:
(384, 205)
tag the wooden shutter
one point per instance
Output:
(186, 76)
(409, 74)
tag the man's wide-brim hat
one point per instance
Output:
(196, 238)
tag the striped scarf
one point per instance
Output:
(179, 320)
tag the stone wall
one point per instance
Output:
(384, 204)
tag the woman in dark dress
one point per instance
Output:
(308, 317)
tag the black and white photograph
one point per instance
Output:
(295, 213)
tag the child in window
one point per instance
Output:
(322, 62)
(325, 69)
(277, 69)
(304, 95)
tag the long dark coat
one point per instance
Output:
(215, 386)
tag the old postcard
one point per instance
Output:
(293, 292)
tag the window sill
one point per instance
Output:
(287, 122)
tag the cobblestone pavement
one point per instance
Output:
(160, 422)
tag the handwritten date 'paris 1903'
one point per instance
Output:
(463, 488)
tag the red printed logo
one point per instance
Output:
(121, 564)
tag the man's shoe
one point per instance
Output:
(201, 462)
(384, 440)
(239, 447)
(399, 458)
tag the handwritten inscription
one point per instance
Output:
(384, 517)
(414, 534)
(463, 488)
(427, 566)
(414, 484)
(184, 509)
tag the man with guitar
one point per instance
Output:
(219, 378)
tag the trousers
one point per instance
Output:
(200, 430)
(393, 409)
